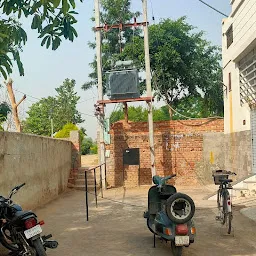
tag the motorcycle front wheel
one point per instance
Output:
(39, 247)
(176, 250)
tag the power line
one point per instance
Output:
(152, 9)
(87, 114)
(27, 94)
(40, 99)
(85, 100)
(213, 8)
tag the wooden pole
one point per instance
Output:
(14, 105)
(126, 112)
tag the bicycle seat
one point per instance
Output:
(225, 181)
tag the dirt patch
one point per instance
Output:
(89, 160)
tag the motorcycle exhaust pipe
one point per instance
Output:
(46, 237)
(51, 244)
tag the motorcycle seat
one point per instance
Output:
(22, 214)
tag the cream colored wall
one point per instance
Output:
(243, 18)
(42, 163)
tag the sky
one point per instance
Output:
(47, 69)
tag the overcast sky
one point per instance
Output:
(45, 69)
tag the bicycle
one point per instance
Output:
(224, 201)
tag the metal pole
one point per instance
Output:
(52, 127)
(100, 84)
(101, 181)
(105, 172)
(95, 188)
(86, 196)
(149, 90)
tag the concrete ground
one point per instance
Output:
(120, 230)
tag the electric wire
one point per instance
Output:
(213, 8)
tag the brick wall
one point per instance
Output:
(178, 149)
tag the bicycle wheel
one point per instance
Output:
(221, 207)
(229, 217)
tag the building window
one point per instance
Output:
(229, 82)
(229, 35)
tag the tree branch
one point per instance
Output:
(23, 98)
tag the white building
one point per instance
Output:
(239, 65)
(239, 69)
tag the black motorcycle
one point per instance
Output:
(20, 230)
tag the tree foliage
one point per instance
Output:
(192, 106)
(53, 20)
(112, 12)
(5, 109)
(62, 109)
(67, 128)
(183, 63)
(140, 114)
(89, 146)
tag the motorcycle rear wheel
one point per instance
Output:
(39, 247)
(176, 250)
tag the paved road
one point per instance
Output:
(120, 230)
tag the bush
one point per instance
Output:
(89, 147)
(94, 149)
(65, 131)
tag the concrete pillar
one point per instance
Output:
(76, 149)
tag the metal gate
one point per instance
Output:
(247, 77)
(253, 132)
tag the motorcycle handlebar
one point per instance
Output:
(20, 186)
(170, 176)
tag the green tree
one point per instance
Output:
(38, 121)
(67, 128)
(53, 20)
(4, 111)
(67, 100)
(191, 106)
(113, 40)
(62, 109)
(161, 114)
(140, 114)
(182, 63)
(88, 146)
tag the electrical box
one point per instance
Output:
(123, 84)
(131, 156)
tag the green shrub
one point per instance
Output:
(89, 147)
(65, 131)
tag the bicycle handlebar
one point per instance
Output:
(220, 172)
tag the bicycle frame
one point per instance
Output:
(226, 201)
